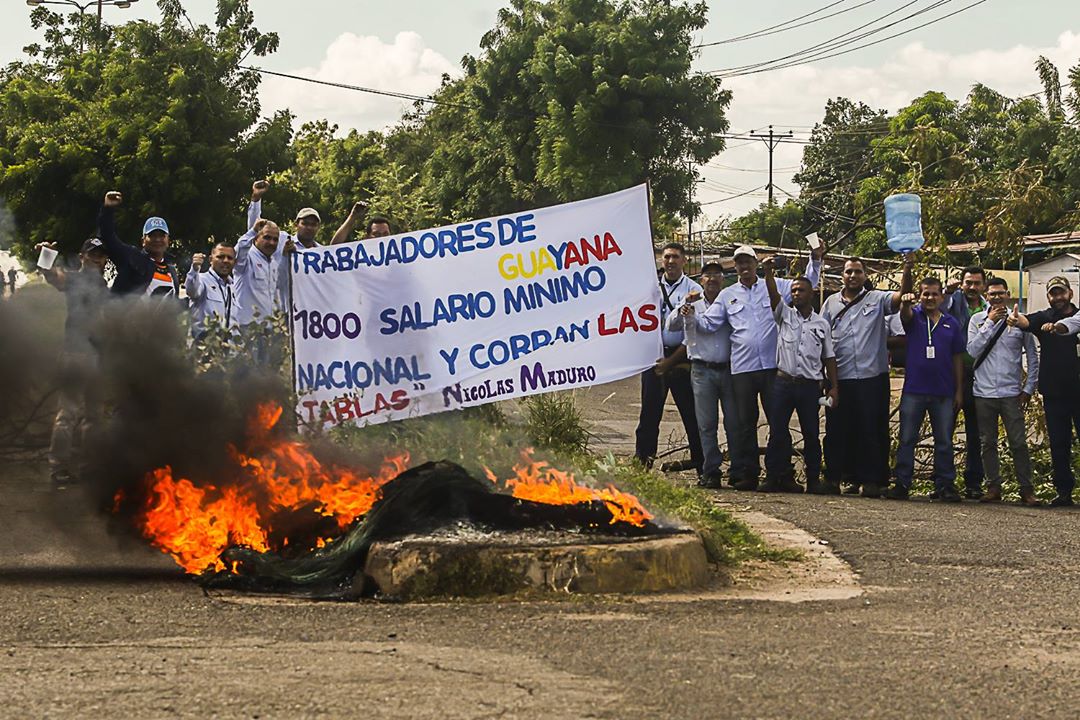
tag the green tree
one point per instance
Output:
(573, 98)
(839, 157)
(773, 225)
(161, 111)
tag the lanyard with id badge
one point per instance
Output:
(930, 337)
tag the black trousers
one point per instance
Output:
(746, 454)
(857, 433)
(654, 392)
(1062, 415)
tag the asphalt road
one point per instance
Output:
(968, 611)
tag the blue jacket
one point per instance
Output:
(134, 268)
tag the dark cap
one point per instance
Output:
(1058, 281)
(712, 267)
(91, 245)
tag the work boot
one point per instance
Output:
(1027, 497)
(993, 495)
(815, 487)
(898, 492)
(973, 493)
(1062, 501)
(948, 494)
(771, 485)
(710, 480)
(851, 489)
(746, 484)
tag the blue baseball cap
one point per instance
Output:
(155, 223)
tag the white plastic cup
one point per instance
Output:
(46, 258)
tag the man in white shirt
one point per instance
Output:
(746, 308)
(710, 374)
(211, 293)
(670, 372)
(998, 353)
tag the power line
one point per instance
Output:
(870, 44)
(832, 42)
(775, 29)
(732, 197)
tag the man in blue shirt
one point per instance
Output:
(934, 373)
(670, 373)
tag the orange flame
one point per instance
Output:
(539, 482)
(195, 523)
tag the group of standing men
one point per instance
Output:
(761, 339)
(244, 282)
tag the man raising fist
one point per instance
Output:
(211, 293)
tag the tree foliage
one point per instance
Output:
(988, 168)
(161, 111)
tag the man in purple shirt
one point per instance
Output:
(933, 384)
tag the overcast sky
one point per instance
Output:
(407, 45)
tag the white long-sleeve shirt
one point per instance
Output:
(211, 295)
(261, 282)
(1001, 374)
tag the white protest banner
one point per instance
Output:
(440, 319)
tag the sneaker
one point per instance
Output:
(851, 489)
(898, 492)
(1062, 501)
(973, 493)
(710, 481)
(678, 466)
(871, 491)
(948, 494)
(746, 484)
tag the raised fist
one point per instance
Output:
(359, 209)
(113, 199)
(907, 298)
(259, 188)
(197, 260)
(50, 245)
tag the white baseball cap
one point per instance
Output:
(745, 250)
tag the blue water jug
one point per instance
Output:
(903, 222)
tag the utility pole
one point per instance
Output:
(771, 140)
(690, 207)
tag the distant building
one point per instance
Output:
(1067, 264)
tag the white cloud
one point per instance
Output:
(407, 65)
(796, 97)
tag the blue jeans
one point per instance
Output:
(800, 397)
(713, 385)
(913, 410)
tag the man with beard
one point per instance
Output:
(857, 430)
(79, 394)
(670, 373)
(144, 271)
(710, 373)
(211, 293)
(1001, 390)
(746, 309)
(1059, 379)
(933, 375)
(963, 300)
